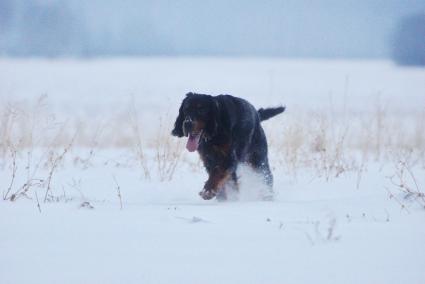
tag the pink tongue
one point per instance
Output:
(192, 143)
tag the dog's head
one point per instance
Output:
(198, 119)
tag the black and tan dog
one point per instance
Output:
(226, 131)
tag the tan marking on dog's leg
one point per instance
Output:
(216, 180)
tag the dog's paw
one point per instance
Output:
(207, 194)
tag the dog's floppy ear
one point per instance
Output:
(178, 125)
(211, 128)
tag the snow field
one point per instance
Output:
(95, 190)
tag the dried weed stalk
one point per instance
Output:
(168, 154)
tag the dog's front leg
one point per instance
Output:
(217, 178)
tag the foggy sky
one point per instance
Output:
(290, 28)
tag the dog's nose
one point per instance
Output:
(187, 124)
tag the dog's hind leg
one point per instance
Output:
(261, 166)
(259, 162)
(267, 194)
(234, 180)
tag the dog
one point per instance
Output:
(226, 131)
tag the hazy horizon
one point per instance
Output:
(293, 29)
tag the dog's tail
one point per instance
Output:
(266, 113)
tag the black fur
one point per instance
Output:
(231, 134)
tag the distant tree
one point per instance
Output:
(409, 41)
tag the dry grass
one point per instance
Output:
(404, 180)
(137, 143)
(168, 152)
(325, 142)
(332, 144)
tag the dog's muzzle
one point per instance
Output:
(187, 126)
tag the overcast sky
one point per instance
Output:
(290, 28)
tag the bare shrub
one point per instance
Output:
(118, 188)
(328, 143)
(404, 180)
(137, 141)
(12, 180)
(168, 153)
(29, 127)
(8, 120)
(55, 161)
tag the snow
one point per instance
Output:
(166, 234)
(296, 82)
(316, 230)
